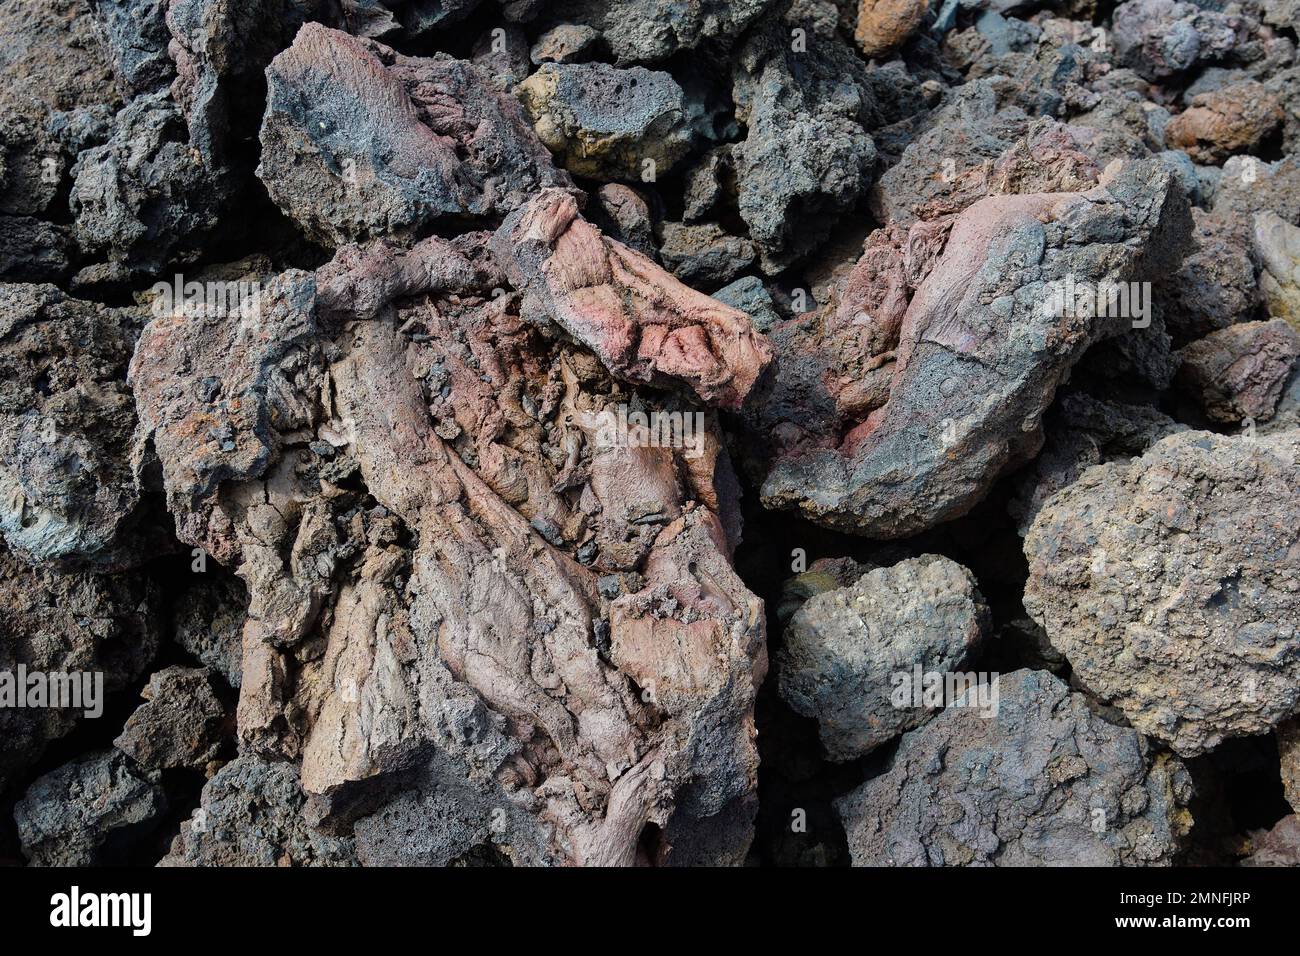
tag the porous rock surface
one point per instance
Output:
(1045, 782)
(1195, 641)
(844, 648)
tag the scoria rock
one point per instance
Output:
(70, 493)
(146, 198)
(566, 43)
(1233, 120)
(642, 31)
(1238, 373)
(359, 141)
(1170, 583)
(207, 620)
(609, 123)
(180, 724)
(806, 157)
(621, 213)
(1215, 286)
(702, 254)
(749, 295)
(220, 50)
(1083, 431)
(1163, 38)
(74, 624)
(844, 649)
(885, 24)
(135, 32)
(55, 59)
(251, 814)
(1044, 782)
(91, 812)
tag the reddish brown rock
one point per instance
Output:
(1238, 373)
(1222, 123)
(898, 406)
(422, 486)
(644, 325)
(885, 24)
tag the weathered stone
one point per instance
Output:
(845, 649)
(703, 254)
(252, 814)
(976, 353)
(806, 157)
(135, 32)
(886, 24)
(208, 622)
(623, 215)
(69, 491)
(1164, 38)
(1277, 244)
(1215, 287)
(1083, 431)
(644, 325)
(359, 141)
(91, 812)
(566, 43)
(749, 295)
(180, 725)
(1045, 782)
(1167, 582)
(75, 624)
(643, 31)
(1288, 750)
(1279, 846)
(609, 123)
(1226, 122)
(146, 198)
(412, 510)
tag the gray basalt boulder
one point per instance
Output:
(1046, 782)
(1170, 582)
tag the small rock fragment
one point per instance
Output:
(1277, 244)
(180, 725)
(609, 123)
(566, 43)
(359, 141)
(643, 324)
(1226, 122)
(886, 24)
(252, 814)
(703, 254)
